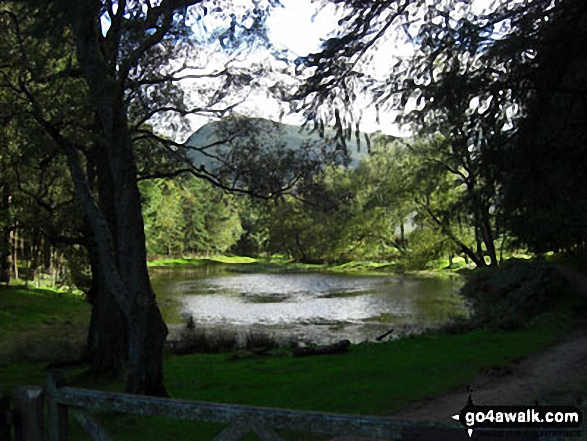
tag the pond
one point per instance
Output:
(316, 308)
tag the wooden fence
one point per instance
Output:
(27, 417)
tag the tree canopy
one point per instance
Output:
(505, 87)
(496, 101)
(91, 87)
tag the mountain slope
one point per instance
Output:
(216, 142)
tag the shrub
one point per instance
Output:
(260, 340)
(203, 341)
(213, 341)
(508, 296)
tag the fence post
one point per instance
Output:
(5, 416)
(28, 402)
(56, 413)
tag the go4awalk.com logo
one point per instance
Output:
(495, 420)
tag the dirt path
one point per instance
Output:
(546, 376)
(559, 368)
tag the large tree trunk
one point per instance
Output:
(121, 245)
(107, 346)
(147, 330)
(123, 266)
(117, 226)
(147, 333)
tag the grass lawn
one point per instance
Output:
(197, 262)
(375, 379)
(40, 325)
(278, 264)
(371, 379)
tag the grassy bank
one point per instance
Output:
(238, 264)
(372, 379)
(38, 326)
(282, 265)
(200, 261)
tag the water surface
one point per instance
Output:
(308, 307)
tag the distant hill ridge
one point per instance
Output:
(273, 134)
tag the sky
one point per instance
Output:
(298, 27)
(301, 26)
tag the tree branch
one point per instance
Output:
(183, 112)
(95, 216)
(172, 77)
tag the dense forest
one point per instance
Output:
(401, 203)
(398, 204)
(90, 184)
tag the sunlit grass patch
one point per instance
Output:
(179, 261)
(40, 325)
(233, 259)
(201, 261)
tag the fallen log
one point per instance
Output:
(382, 336)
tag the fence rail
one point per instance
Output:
(63, 401)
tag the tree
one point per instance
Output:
(121, 76)
(6, 224)
(542, 167)
(254, 239)
(188, 215)
(415, 185)
(502, 86)
(452, 194)
(5, 228)
(163, 213)
(383, 184)
(261, 157)
(45, 89)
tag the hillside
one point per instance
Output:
(273, 138)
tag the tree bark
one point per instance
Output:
(107, 346)
(121, 246)
(147, 330)
(488, 238)
(107, 343)
(15, 252)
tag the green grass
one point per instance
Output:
(371, 379)
(197, 262)
(280, 264)
(276, 264)
(40, 324)
(22, 308)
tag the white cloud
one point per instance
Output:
(301, 25)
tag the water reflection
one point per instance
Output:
(313, 307)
